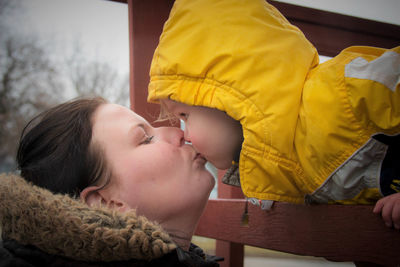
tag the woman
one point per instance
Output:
(117, 163)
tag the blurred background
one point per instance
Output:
(52, 51)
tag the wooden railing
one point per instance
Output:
(337, 233)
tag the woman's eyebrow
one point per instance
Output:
(141, 125)
(133, 130)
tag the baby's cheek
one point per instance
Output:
(205, 145)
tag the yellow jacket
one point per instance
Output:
(301, 121)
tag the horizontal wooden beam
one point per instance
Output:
(335, 232)
(120, 1)
(332, 32)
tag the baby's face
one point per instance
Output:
(212, 132)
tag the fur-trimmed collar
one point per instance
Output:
(61, 225)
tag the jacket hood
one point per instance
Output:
(241, 57)
(61, 225)
(210, 52)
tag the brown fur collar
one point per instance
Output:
(61, 225)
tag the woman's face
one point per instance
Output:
(153, 169)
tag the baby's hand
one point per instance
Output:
(389, 207)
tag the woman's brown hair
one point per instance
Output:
(56, 152)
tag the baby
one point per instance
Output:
(254, 98)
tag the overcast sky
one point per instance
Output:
(102, 26)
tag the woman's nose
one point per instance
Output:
(172, 135)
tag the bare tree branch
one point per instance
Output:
(31, 81)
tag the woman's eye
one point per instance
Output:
(147, 140)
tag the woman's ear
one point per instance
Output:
(92, 196)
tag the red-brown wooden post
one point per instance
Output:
(233, 253)
(146, 19)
